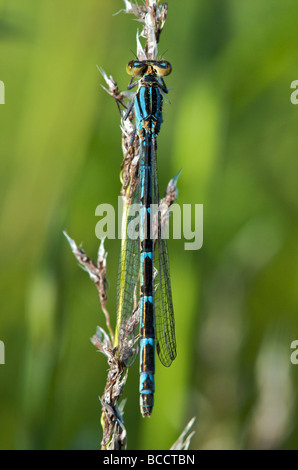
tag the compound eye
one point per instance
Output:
(163, 68)
(135, 68)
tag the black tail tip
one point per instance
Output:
(146, 404)
(146, 412)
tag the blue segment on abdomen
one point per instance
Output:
(149, 378)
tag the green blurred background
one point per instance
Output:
(232, 128)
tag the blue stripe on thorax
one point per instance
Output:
(147, 107)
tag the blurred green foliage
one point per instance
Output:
(233, 130)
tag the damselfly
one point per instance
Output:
(139, 281)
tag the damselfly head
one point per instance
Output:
(138, 68)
